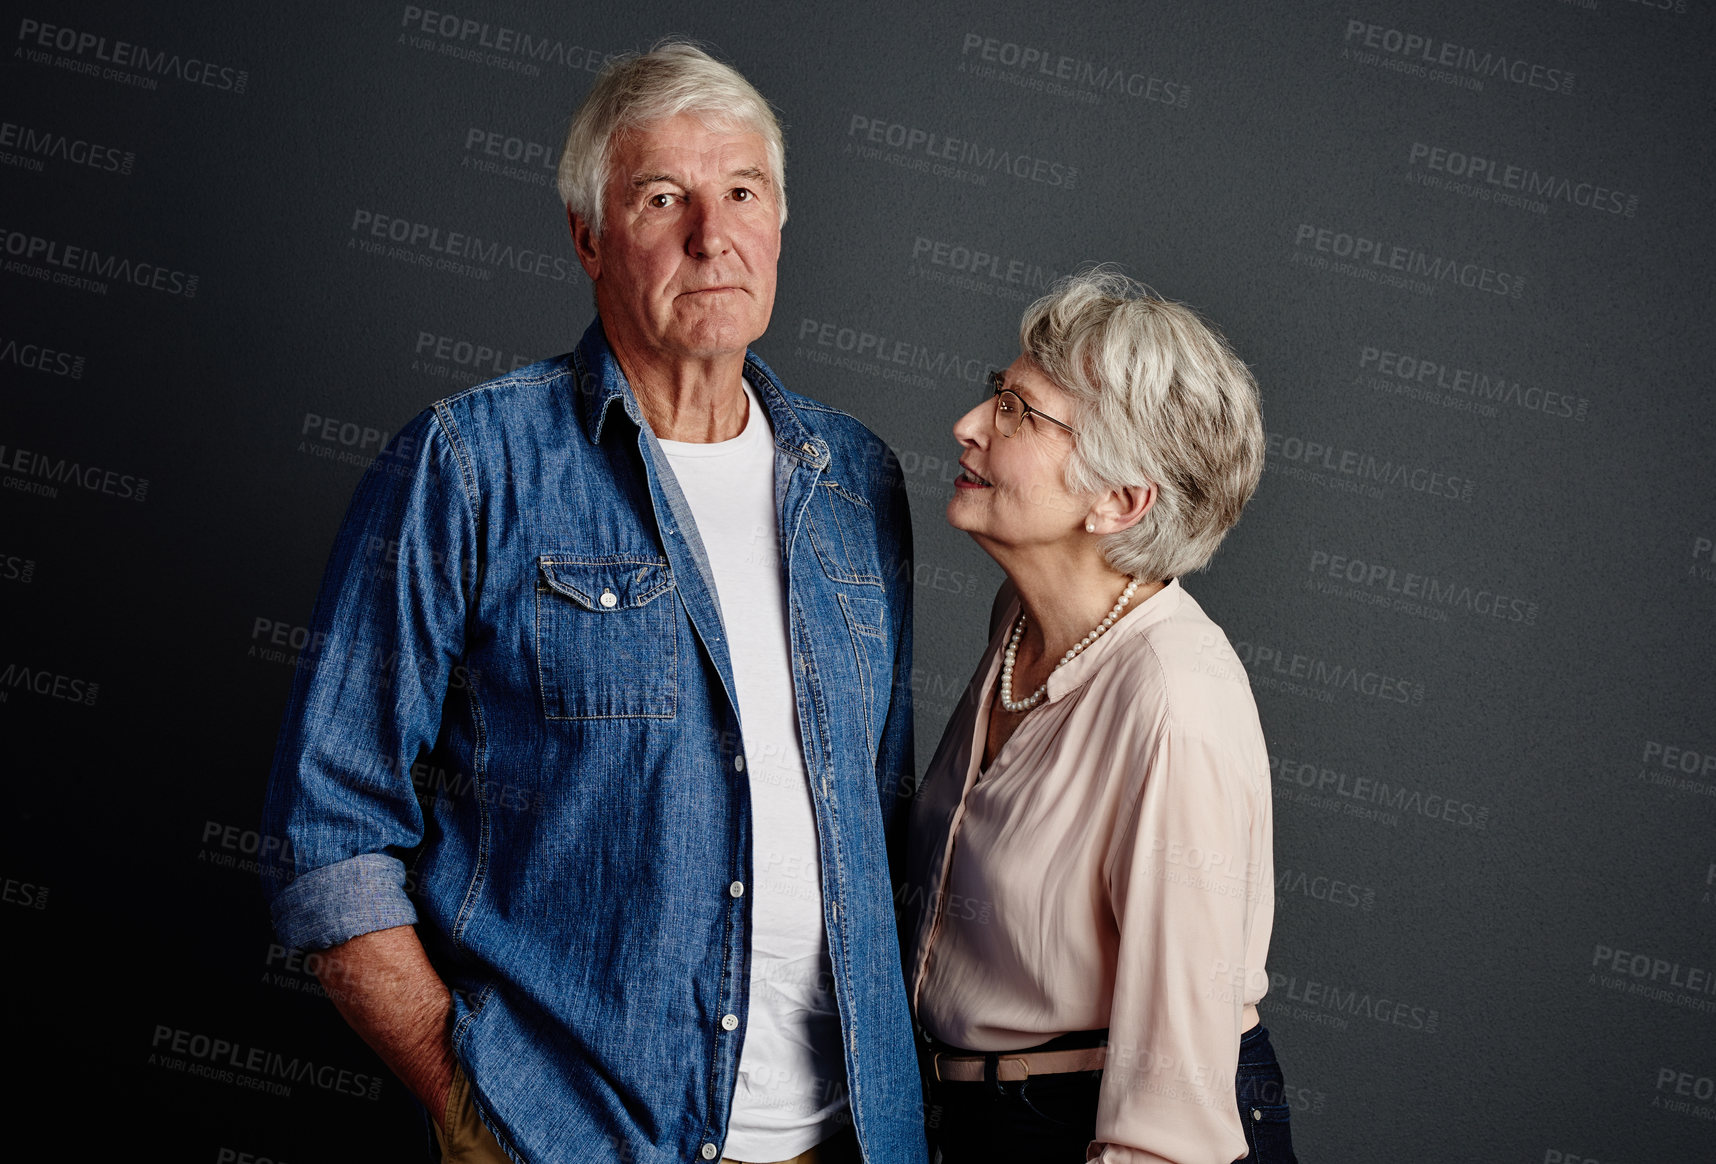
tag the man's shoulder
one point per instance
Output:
(854, 449)
(541, 380)
(513, 404)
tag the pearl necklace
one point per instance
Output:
(1036, 697)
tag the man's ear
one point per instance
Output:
(586, 243)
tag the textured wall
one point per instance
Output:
(1465, 246)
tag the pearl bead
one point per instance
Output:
(1036, 697)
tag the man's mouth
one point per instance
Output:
(969, 478)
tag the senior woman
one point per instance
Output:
(1092, 841)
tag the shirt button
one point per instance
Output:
(738, 763)
(608, 599)
(729, 1022)
(1256, 1115)
(708, 1151)
(737, 889)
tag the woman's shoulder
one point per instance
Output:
(1184, 663)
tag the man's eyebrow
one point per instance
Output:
(639, 181)
(754, 173)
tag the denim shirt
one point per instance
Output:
(519, 732)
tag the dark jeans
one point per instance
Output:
(1049, 1119)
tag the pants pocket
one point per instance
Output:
(1268, 1134)
(463, 1136)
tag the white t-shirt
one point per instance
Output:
(791, 1087)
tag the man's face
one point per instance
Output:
(685, 265)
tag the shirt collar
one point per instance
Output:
(1078, 672)
(598, 382)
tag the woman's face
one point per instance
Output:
(1012, 493)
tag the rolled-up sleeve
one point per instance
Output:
(1189, 861)
(386, 634)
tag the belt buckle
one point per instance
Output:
(1024, 1065)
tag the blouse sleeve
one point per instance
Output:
(1188, 867)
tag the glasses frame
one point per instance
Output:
(998, 381)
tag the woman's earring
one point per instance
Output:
(1090, 527)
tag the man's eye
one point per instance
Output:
(742, 194)
(659, 201)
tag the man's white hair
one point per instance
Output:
(633, 91)
(1162, 400)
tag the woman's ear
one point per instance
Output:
(1123, 508)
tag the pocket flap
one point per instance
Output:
(606, 584)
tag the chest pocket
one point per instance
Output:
(606, 638)
(843, 529)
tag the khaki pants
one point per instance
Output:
(465, 1139)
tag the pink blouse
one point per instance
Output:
(1112, 868)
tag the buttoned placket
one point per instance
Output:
(805, 459)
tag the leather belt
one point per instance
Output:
(1012, 1067)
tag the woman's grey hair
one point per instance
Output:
(633, 91)
(1162, 400)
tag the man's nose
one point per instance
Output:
(706, 235)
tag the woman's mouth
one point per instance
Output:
(969, 480)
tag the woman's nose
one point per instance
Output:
(974, 427)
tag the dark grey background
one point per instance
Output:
(1464, 988)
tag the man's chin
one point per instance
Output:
(714, 338)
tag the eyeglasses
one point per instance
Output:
(1011, 409)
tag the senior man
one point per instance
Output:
(589, 786)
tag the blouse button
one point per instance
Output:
(608, 600)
